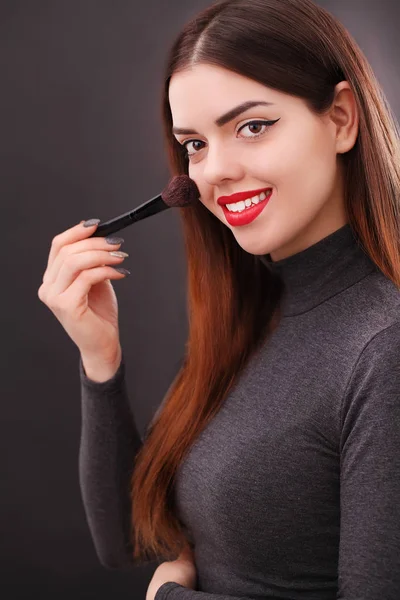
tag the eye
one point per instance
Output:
(257, 124)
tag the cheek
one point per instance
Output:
(319, 168)
(206, 192)
(305, 163)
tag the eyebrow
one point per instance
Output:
(223, 119)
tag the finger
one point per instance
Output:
(74, 234)
(75, 296)
(77, 263)
(82, 246)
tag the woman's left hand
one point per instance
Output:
(182, 571)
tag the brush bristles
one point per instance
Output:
(180, 191)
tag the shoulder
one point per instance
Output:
(373, 387)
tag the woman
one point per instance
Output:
(272, 467)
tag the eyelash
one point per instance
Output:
(267, 124)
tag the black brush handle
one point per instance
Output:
(149, 208)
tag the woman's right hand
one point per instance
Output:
(77, 289)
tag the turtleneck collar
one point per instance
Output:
(320, 271)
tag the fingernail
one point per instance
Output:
(91, 222)
(114, 240)
(121, 270)
(119, 254)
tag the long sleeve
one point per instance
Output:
(108, 445)
(369, 555)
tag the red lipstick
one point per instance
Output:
(240, 196)
(247, 215)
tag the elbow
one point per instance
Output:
(115, 561)
(109, 563)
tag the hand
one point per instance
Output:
(182, 571)
(77, 289)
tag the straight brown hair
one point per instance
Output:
(298, 48)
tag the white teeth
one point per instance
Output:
(240, 206)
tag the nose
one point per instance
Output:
(221, 164)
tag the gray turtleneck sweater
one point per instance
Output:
(293, 489)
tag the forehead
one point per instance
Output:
(212, 90)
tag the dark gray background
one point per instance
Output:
(81, 138)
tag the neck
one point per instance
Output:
(321, 271)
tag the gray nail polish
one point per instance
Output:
(91, 222)
(114, 240)
(121, 270)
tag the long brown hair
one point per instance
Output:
(298, 48)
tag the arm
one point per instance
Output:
(174, 591)
(369, 553)
(108, 445)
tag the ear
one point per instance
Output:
(344, 114)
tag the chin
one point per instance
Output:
(254, 248)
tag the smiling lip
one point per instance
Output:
(246, 216)
(222, 200)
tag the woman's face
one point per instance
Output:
(296, 157)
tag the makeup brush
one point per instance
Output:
(180, 191)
